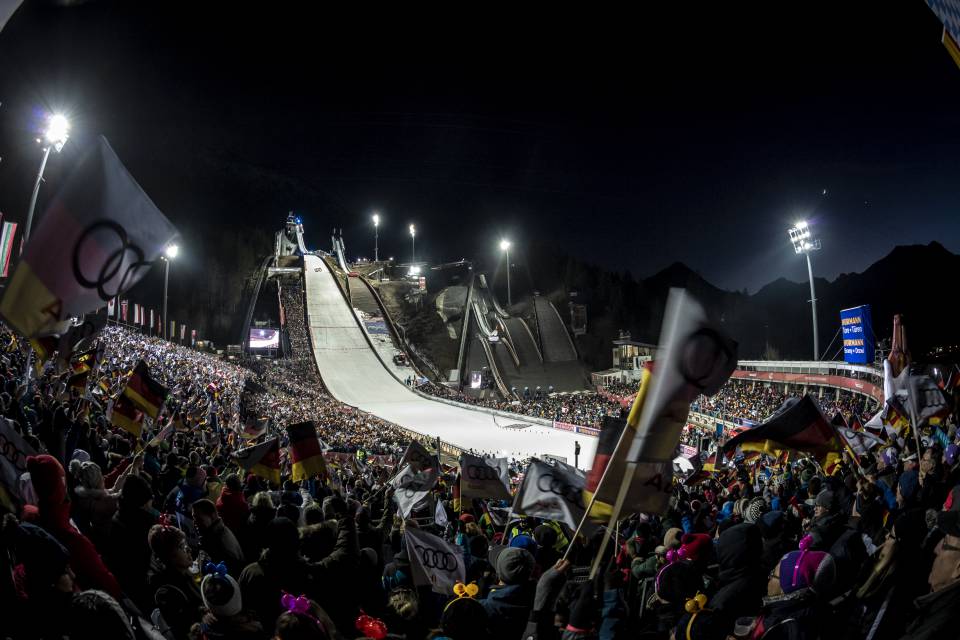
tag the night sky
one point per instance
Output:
(632, 140)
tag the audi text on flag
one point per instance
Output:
(434, 561)
(100, 235)
(483, 478)
(412, 488)
(551, 492)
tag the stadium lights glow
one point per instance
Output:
(376, 220)
(801, 237)
(376, 237)
(57, 131)
(55, 136)
(413, 231)
(171, 251)
(505, 247)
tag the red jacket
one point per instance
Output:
(233, 509)
(53, 514)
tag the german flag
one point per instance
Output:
(896, 418)
(306, 455)
(262, 460)
(43, 348)
(79, 380)
(126, 416)
(144, 392)
(710, 465)
(85, 361)
(798, 425)
(611, 431)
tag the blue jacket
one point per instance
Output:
(508, 609)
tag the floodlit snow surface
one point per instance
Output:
(354, 375)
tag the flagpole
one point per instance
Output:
(632, 419)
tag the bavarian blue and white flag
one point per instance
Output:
(434, 561)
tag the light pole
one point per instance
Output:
(376, 237)
(413, 245)
(54, 137)
(170, 253)
(505, 247)
(803, 242)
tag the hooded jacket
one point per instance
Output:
(53, 514)
(508, 609)
(233, 508)
(741, 578)
(936, 614)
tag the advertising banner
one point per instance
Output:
(857, 328)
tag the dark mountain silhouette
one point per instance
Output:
(775, 321)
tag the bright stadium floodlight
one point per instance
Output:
(55, 135)
(171, 252)
(804, 243)
(413, 244)
(505, 247)
(376, 237)
(57, 131)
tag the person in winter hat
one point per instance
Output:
(53, 514)
(127, 552)
(741, 579)
(216, 539)
(45, 583)
(677, 581)
(509, 603)
(224, 617)
(93, 506)
(232, 504)
(172, 571)
(798, 590)
(701, 621)
(95, 615)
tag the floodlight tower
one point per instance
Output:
(804, 243)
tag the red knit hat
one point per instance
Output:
(466, 517)
(695, 545)
(48, 479)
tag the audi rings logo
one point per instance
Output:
(436, 558)
(482, 472)
(106, 243)
(707, 358)
(547, 483)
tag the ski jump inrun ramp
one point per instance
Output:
(355, 375)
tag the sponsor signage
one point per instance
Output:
(857, 328)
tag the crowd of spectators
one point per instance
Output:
(111, 534)
(115, 536)
(740, 400)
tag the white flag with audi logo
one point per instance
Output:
(552, 493)
(484, 477)
(97, 238)
(412, 488)
(434, 561)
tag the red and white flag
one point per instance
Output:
(111, 307)
(123, 309)
(6, 246)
